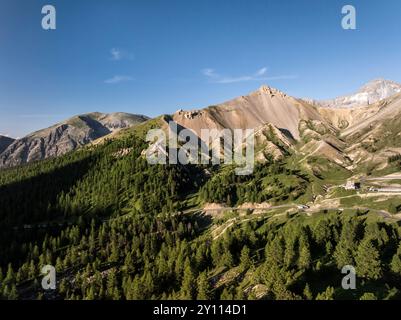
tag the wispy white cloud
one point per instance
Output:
(118, 79)
(210, 73)
(261, 71)
(119, 54)
(259, 75)
(115, 54)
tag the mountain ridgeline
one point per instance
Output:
(370, 93)
(116, 227)
(63, 137)
(349, 137)
(330, 128)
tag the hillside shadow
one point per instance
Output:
(27, 201)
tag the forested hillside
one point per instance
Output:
(116, 227)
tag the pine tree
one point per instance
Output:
(227, 259)
(13, 295)
(204, 288)
(345, 250)
(116, 293)
(240, 295)
(326, 295)
(245, 259)
(188, 283)
(289, 254)
(343, 255)
(275, 251)
(308, 293)
(304, 260)
(111, 283)
(368, 296)
(367, 260)
(226, 295)
(396, 262)
(10, 276)
(322, 232)
(90, 295)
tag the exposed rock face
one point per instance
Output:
(64, 137)
(370, 93)
(340, 130)
(346, 131)
(266, 105)
(120, 120)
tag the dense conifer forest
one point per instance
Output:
(116, 227)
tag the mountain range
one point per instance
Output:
(347, 130)
(63, 137)
(325, 192)
(345, 136)
(368, 94)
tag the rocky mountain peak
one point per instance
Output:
(372, 92)
(64, 137)
(265, 89)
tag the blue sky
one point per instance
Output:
(154, 57)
